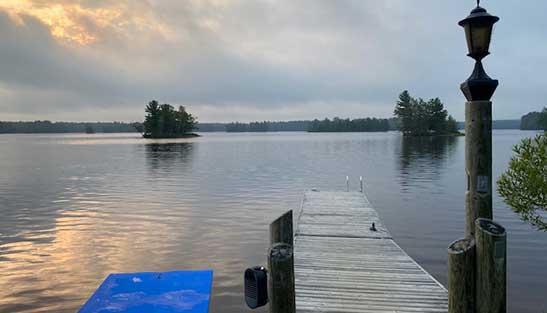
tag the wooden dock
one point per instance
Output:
(343, 266)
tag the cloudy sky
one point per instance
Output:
(104, 60)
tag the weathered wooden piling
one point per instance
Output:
(461, 276)
(491, 267)
(478, 162)
(281, 230)
(281, 291)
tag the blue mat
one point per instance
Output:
(165, 292)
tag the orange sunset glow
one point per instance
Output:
(74, 23)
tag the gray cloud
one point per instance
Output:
(265, 60)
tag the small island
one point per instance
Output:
(418, 117)
(534, 120)
(163, 121)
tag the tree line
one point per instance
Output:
(43, 127)
(267, 126)
(347, 125)
(326, 125)
(418, 117)
(163, 121)
(211, 127)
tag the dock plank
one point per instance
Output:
(343, 266)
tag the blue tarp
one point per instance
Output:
(165, 292)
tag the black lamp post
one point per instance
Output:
(477, 266)
(478, 31)
(478, 89)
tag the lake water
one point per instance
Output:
(74, 208)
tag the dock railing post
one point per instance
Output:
(361, 183)
(347, 183)
(461, 276)
(491, 275)
(281, 291)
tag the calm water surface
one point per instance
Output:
(74, 208)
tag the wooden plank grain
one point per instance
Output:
(341, 265)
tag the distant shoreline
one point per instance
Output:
(458, 134)
(46, 127)
(191, 135)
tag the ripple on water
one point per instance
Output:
(92, 205)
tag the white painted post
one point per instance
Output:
(347, 183)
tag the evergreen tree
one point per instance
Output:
(164, 121)
(185, 121)
(437, 115)
(404, 110)
(167, 120)
(419, 118)
(542, 120)
(534, 121)
(451, 125)
(152, 119)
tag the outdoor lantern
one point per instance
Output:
(478, 31)
(256, 287)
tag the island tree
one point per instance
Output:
(418, 117)
(451, 125)
(404, 111)
(163, 121)
(542, 120)
(534, 120)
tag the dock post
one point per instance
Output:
(491, 276)
(478, 162)
(461, 276)
(281, 266)
(347, 183)
(361, 183)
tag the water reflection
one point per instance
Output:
(90, 240)
(423, 158)
(72, 213)
(161, 156)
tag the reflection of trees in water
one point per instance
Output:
(167, 155)
(423, 157)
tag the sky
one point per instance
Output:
(103, 60)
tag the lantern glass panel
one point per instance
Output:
(478, 38)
